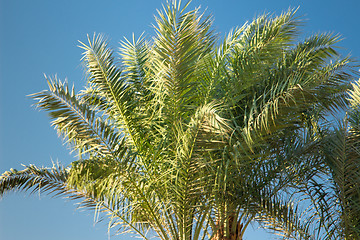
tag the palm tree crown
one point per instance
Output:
(187, 137)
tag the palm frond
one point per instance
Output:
(135, 57)
(292, 86)
(43, 180)
(79, 125)
(182, 39)
(54, 181)
(106, 77)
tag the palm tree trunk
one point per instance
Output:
(234, 231)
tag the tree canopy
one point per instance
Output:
(186, 136)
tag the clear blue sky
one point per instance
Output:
(40, 36)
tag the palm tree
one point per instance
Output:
(183, 138)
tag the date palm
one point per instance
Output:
(184, 138)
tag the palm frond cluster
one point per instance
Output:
(186, 137)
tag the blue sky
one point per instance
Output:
(40, 36)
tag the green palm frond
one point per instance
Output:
(266, 36)
(284, 219)
(33, 179)
(193, 169)
(135, 58)
(106, 77)
(343, 160)
(332, 186)
(182, 39)
(55, 181)
(129, 196)
(354, 101)
(79, 125)
(292, 86)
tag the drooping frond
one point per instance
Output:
(33, 179)
(128, 196)
(283, 91)
(78, 123)
(284, 219)
(342, 156)
(55, 182)
(343, 159)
